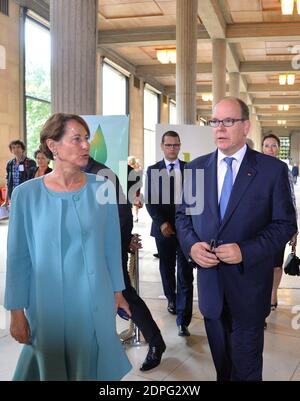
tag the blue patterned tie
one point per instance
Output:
(227, 186)
(172, 184)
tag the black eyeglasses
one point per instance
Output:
(227, 122)
(172, 145)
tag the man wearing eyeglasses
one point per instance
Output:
(248, 216)
(164, 187)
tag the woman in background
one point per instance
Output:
(43, 165)
(271, 147)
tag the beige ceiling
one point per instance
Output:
(261, 39)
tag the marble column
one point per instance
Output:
(99, 88)
(255, 130)
(136, 116)
(186, 64)
(243, 96)
(218, 69)
(73, 26)
(234, 84)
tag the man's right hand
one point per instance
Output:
(202, 255)
(167, 230)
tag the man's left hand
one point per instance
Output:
(229, 253)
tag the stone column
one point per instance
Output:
(243, 96)
(73, 26)
(186, 64)
(164, 109)
(234, 84)
(136, 107)
(295, 142)
(99, 87)
(218, 69)
(255, 130)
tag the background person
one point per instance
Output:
(140, 313)
(64, 279)
(295, 173)
(134, 164)
(271, 147)
(177, 285)
(43, 165)
(17, 169)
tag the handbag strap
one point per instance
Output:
(294, 249)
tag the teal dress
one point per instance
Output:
(81, 351)
(63, 266)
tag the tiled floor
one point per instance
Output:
(185, 358)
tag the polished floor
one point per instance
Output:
(186, 358)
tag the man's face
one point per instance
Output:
(171, 147)
(17, 151)
(230, 139)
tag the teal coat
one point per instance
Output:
(34, 277)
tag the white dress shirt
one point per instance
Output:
(222, 167)
(178, 179)
(175, 162)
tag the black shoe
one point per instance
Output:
(274, 306)
(171, 308)
(156, 255)
(153, 357)
(183, 331)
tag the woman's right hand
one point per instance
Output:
(19, 327)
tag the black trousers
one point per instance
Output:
(140, 312)
(181, 293)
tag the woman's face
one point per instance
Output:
(73, 148)
(42, 160)
(270, 147)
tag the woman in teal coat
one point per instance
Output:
(64, 277)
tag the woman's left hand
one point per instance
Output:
(293, 241)
(120, 302)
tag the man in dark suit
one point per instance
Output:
(247, 217)
(163, 189)
(140, 314)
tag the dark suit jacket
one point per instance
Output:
(33, 170)
(23, 175)
(260, 218)
(159, 212)
(125, 214)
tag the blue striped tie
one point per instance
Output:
(227, 186)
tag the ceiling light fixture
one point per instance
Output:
(287, 7)
(207, 97)
(282, 79)
(283, 107)
(291, 79)
(287, 79)
(166, 56)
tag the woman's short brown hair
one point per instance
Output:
(54, 128)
